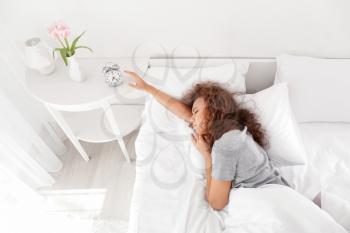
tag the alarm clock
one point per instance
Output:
(112, 74)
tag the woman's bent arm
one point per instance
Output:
(217, 191)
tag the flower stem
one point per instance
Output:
(67, 44)
(61, 42)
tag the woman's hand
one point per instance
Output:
(138, 82)
(201, 144)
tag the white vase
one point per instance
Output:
(74, 70)
(38, 56)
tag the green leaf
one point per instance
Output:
(63, 53)
(84, 47)
(67, 44)
(55, 50)
(75, 41)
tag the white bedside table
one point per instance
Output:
(91, 110)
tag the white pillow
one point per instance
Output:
(176, 80)
(163, 121)
(274, 112)
(318, 88)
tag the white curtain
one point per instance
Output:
(22, 151)
(28, 144)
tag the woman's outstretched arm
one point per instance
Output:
(172, 104)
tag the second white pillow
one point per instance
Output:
(273, 109)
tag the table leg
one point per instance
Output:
(124, 150)
(70, 134)
(113, 123)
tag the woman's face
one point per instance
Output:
(198, 116)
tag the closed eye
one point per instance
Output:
(195, 110)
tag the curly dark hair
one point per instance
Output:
(224, 113)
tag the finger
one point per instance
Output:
(206, 139)
(193, 142)
(129, 72)
(193, 138)
(200, 138)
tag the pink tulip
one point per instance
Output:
(59, 29)
(66, 33)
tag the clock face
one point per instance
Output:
(112, 74)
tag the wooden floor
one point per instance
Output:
(100, 188)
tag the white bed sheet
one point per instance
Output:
(169, 196)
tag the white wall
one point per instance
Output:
(115, 28)
(216, 28)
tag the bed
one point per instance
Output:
(169, 185)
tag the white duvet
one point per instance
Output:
(328, 168)
(169, 196)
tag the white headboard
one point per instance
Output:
(261, 72)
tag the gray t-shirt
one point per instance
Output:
(237, 157)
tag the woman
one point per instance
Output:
(229, 137)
